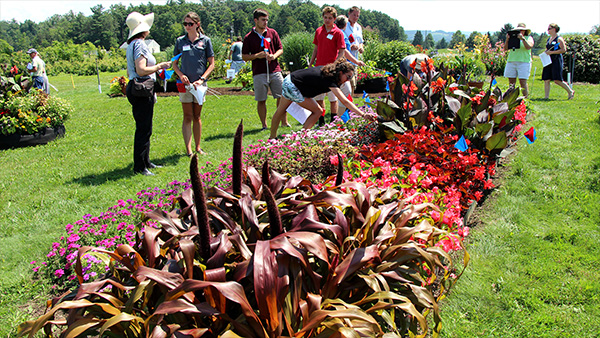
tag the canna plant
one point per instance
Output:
(276, 256)
(488, 119)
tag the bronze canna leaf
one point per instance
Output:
(236, 172)
(201, 216)
(274, 216)
(340, 171)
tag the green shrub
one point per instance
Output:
(297, 49)
(388, 56)
(466, 62)
(584, 49)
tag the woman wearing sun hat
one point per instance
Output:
(141, 64)
(555, 47)
(518, 64)
(193, 68)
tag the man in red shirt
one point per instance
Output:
(263, 46)
(329, 46)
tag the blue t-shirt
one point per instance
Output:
(236, 51)
(194, 55)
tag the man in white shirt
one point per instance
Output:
(353, 32)
(37, 68)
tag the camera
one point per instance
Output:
(513, 40)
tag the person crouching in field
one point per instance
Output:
(302, 86)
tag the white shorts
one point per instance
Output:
(346, 88)
(517, 70)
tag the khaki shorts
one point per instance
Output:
(346, 88)
(187, 97)
(261, 86)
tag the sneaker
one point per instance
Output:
(145, 172)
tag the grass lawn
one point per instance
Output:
(534, 250)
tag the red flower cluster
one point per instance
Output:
(425, 164)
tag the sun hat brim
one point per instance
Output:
(138, 23)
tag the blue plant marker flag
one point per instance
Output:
(366, 97)
(387, 86)
(461, 144)
(168, 73)
(388, 73)
(494, 82)
(176, 57)
(345, 116)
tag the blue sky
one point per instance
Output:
(447, 15)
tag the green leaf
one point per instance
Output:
(385, 111)
(496, 141)
(465, 113)
(483, 128)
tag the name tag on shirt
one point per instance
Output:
(186, 48)
(330, 36)
(268, 40)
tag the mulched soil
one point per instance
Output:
(239, 91)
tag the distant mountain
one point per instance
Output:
(437, 35)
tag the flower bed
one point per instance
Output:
(268, 254)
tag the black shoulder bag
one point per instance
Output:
(143, 87)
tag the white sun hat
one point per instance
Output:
(138, 23)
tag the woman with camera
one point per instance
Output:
(518, 64)
(555, 47)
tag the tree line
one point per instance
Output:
(105, 27)
(459, 38)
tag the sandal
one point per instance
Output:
(571, 96)
(201, 152)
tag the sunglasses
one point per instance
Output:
(188, 23)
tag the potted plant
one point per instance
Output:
(117, 86)
(28, 119)
(370, 79)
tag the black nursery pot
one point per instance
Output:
(26, 140)
(376, 85)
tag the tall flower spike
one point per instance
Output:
(236, 172)
(201, 218)
(340, 171)
(274, 216)
(265, 173)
